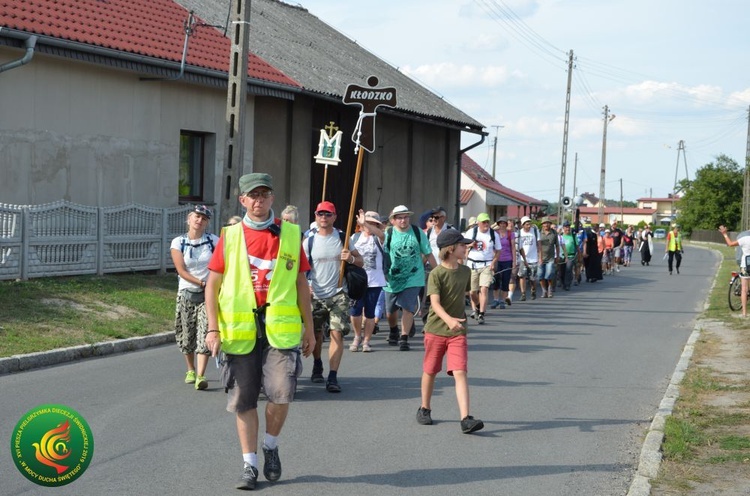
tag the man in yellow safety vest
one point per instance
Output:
(259, 314)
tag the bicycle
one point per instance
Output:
(735, 292)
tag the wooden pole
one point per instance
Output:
(325, 180)
(352, 204)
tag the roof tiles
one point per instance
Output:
(152, 28)
(485, 180)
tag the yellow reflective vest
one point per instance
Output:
(237, 296)
(674, 243)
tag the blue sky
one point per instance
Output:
(669, 70)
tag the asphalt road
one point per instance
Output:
(566, 388)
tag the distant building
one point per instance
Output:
(665, 210)
(480, 192)
(626, 215)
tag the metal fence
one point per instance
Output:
(64, 238)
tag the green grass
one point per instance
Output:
(694, 424)
(718, 303)
(680, 436)
(42, 314)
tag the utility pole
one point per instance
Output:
(680, 148)
(607, 119)
(494, 151)
(565, 139)
(239, 34)
(575, 173)
(746, 192)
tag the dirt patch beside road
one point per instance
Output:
(714, 410)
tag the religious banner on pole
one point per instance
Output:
(329, 148)
(369, 98)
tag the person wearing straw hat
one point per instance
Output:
(407, 247)
(368, 242)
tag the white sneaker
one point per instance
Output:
(355, 345)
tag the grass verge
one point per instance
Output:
(43, 314)
(707, 438)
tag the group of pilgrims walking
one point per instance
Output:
(267, 293)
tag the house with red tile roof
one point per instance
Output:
(480, 192)
(108, 102)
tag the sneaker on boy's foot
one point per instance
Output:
(403, 343)
(523, 297)
(355, 344)
(190, 377)
(272, 464)
(201, 383)
(249, 478)
(423, 416)
(393, 335)
(469, 424)
(494, 304)
(366, 348)
(480, 318)
(533, 295)
(508, 302)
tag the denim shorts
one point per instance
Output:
(547, 270)
(368, 303)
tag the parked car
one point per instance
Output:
(660, 233)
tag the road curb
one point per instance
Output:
(650, 459)
(20, 363)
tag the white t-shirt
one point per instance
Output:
(432, 238)
(367, 246)
(326, 264)
(485, 248)
(744, 244)
(196, 253)
(528, 241)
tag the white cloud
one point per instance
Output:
(450, 75)
(651, 91)
(739, 98)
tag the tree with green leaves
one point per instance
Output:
(713, 198)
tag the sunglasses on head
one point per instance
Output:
(323, 213)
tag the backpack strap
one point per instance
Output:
(389, 235)
(184, 243)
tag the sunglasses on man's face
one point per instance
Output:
(324, 214)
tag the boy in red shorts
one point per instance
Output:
(445, 329)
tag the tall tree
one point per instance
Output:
(714, 197)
